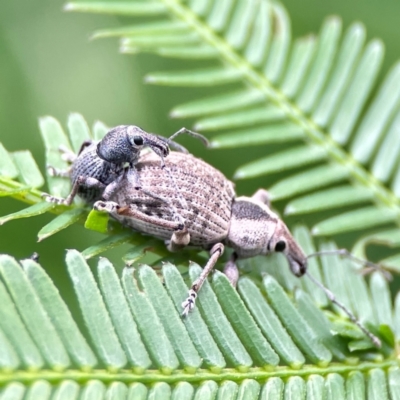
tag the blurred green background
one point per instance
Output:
(50, 67)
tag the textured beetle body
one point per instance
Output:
(98, 169)
(89, 165)
(207, 192)
(210, 216)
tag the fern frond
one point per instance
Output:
(276, 336)
(319, 88)
(266, 337)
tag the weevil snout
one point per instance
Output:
(162, 147)
(297, 266)
(283, 242)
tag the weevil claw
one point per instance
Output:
(189, 304)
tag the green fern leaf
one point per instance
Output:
(231, 343)
(319, 89)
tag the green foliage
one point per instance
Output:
(315, 96)
(256, 338)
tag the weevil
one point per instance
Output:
(213, 218)
(98, 169)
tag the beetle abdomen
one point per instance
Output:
(199, 193)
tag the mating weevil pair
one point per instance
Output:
(213, 218)
(210, 217)
(98, 169)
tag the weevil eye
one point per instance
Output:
(138, 140)
(280, 246)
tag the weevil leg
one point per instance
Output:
(263, 196)
(110, 207)
(67, 154)
(112, 187)
(188, 305)
(85, 144)
(179, 240)
(63, 173)
(130, 212)
(231, 270)
(88, 182)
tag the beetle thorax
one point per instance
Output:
(252, 226)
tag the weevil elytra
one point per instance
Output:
(212, 219)
(99, 167)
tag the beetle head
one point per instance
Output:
(123, 144)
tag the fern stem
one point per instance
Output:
(152, 376)
(30, 196)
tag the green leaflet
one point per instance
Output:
(354, 98)
(97, 221)
(252, 116)
(29, 173)
(289, 159)
(355, 220)
(34, 315)
(242, 321)
(270, 325)
(186, 52)
(206, 77)
(174, 327)
(273, 133)
(78, 131)
(7, 166)
(350, 50)
(315, 178)
(106, 244)
(385, 104)
(149, 324)
(145, 30)
(32, 211)
(60, 222)
(220, 103)
(99, 130)
(53, 137)
(327, 199)
(217, 322)
(61, 317)
(324, 54)
(195, 325)
(122, 8)
(121, 316)
(302, 334)
(95, 313)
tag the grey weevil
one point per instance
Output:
(99, 168)
(213, 218)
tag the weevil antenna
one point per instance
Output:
(376, 341)
(348, 254)
(190, 133)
